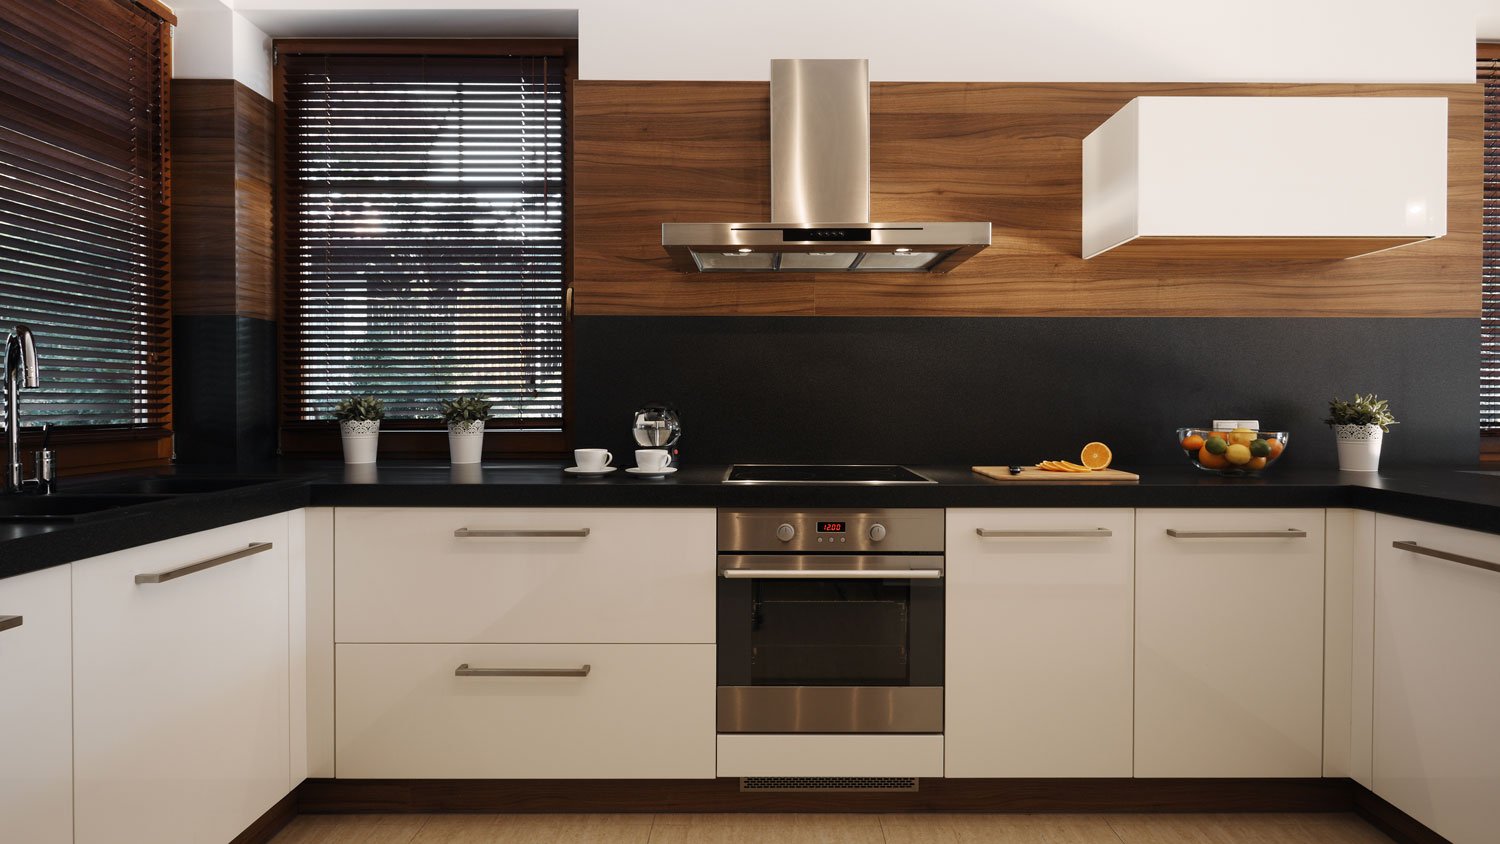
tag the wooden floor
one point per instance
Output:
(830, 829)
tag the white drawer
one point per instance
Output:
(643, 711)
(402, 575)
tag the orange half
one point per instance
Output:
(1096, 456)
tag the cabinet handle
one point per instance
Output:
(192, 568)
(464, 532)
(9, 621)
(1084, 533)
(1289, 533)
(1408, 545)
(465, 671)
(833, 574)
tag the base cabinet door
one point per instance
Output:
(525, 711)
(1039, 643)
(1229, 643)
(1437, 677)
(182, 720)
(36, 708)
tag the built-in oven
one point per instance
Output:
(830, 621)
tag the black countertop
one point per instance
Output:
(1459, 497)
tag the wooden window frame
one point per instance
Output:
(87, 449)
(422, 438)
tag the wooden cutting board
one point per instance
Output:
(1032, 473)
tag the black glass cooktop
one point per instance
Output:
(815, 474)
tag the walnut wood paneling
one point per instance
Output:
(222, 148)
(652, 152)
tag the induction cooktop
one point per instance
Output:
(778, 473)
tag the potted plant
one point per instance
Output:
(1359, 425)
(465, 416)
(359, 425)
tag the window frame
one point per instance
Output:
(421, 438)
(1489, 438)
(86, 449)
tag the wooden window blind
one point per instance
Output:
(83, 214)
(1489, 361)
(424, 246)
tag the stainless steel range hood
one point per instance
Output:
(820, 192)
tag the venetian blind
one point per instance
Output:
(424, 236)
(83, 199)
(1489, 355)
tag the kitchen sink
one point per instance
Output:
(64, 507)
(172, 484)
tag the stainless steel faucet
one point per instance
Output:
(20, 371)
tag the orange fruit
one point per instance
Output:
(1276, 448)
(1256, 463)
(1209, 460)
(1096, 456)
(1192, 442)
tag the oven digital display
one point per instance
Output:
(831, 527)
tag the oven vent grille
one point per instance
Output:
(828, 784)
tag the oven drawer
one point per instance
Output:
(524, 575)
(640, 711)
(830, 756)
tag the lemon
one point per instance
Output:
(1243, 436)
(1238, 454)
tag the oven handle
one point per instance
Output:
(833, 574)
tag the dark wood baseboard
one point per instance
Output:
(273, 821)
(935, 795)
(1391, 820)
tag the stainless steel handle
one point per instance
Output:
(465, 671)
(832, 574)
(192, 568)
(519, 534)
(1289, 533)
(1408, 545)
(1083, 533)
(9, 621)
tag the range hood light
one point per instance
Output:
(743, 251)
(902, 249)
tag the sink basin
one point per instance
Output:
(172, 484)
(65, 508)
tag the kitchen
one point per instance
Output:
(540, 422)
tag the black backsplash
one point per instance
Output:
(1005, 390)
(224, 390)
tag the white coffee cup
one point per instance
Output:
(652, 459)
(592, 459)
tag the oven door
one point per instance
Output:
(830, 643)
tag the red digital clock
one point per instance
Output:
(831, 527)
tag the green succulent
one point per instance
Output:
(1361, 410)
(359, 409)
(470, 408)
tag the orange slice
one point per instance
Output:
(1096, 456)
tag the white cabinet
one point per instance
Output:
(1229, 643)
(524, 575)
(1266, 177)
(1437, 677)
(525, 711)
(181, 708)
(36, 708)
(1039, 643)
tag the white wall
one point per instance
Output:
(945, 40)
(211, 41)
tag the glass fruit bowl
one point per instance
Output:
(1238, 453)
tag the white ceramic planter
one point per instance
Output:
(1359, 447)
(361, 441)
(465, 441)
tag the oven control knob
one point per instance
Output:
(785, 532)
(877, 532)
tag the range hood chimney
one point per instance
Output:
(820, 192)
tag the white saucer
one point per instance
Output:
(651, 473)
(593, 473)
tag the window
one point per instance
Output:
(424, 253)
(83, 221)
(1489, 332)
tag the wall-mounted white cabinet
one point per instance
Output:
(1039, 639)
(1256, 178)
(1437, 676)
(36, 708)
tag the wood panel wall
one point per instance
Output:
(222, 234)
(652, 152)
